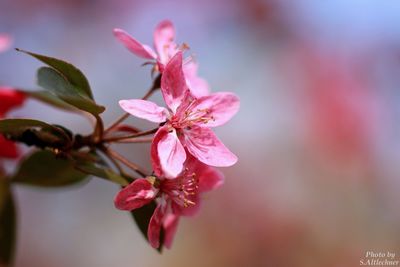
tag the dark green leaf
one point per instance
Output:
(56, 83)
(7, 224)
(142, 218)
(49, 98)
(43, 168)
(18, 126)
(103, 172)
(15, 126)
(72, 74)
(34, 132)
(52, 80)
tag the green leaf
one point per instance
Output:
(18, 126)
(44, 169)
(52, 80)
(142, 218)
(7, 224)
(15, 126)
(50, 99)
(34, 132)
(103, 172)
(56, 83)
(72, 74)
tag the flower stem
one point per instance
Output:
(116, 164)
(116, 123)
(135, 140)
(154, 87)
(120, 138)
(126, 162)
(98, 130)
(149, 93)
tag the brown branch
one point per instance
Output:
(120, 138)
(135, 140)
(127, 162)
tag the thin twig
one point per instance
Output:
(154, 87)
(135, 140)
(116, 123)
(99, 129)
(127, 162)
(116, 164)
(120, 138)
(149, 93)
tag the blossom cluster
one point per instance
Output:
(184, 149)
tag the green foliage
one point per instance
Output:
(71, 73)
(67, 83)
(43, 168)
(35, 132)
(53, 81)
(50, 99)
(103, 172)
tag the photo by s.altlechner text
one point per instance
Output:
(373, 258)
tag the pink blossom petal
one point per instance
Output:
(170, 224)
(5, 42)
(206, 147)
(198, 86)
(144, 109)
(134, 46)
(155, 224)
(187, 101)
(173, 84)
(172, 155)
(218, 108)
(164, 36)
(210, 179)
(155, 160)
(135, 195)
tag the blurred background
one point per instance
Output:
(317, 182)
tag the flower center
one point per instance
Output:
(182, 189)
(189, 118)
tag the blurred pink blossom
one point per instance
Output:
(5, 42)
(9, 99)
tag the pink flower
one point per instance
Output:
(178, 197)
(165, 49)
(5, 42)
(187, 123)
(9, 99)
